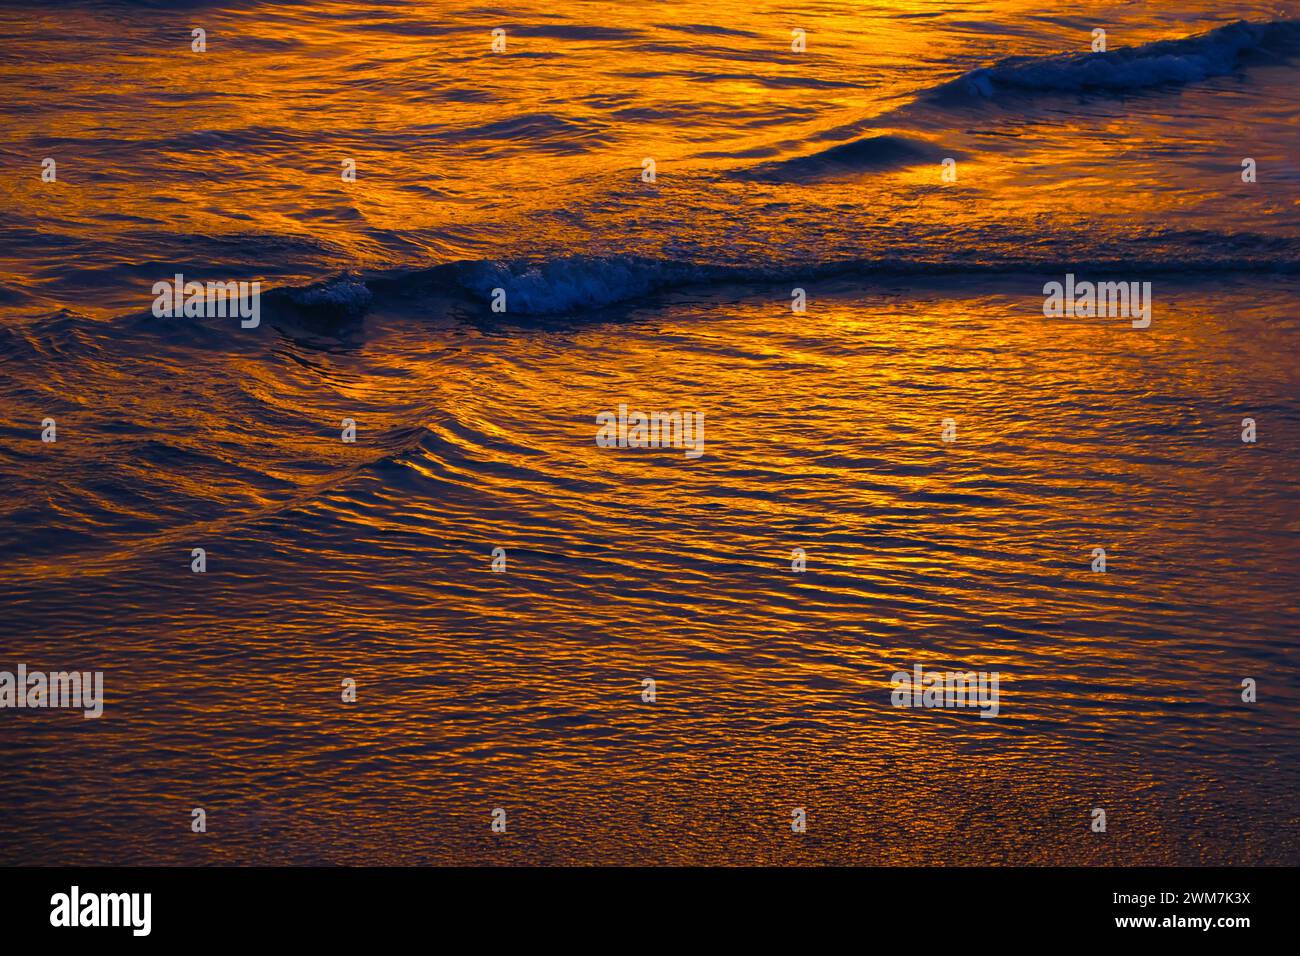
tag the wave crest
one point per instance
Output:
(1219, 52)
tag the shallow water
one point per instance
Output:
(476, 430)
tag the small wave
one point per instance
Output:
(576, 283)
(531, 287)
(885, 151)
(1219, 52)
(343, 297)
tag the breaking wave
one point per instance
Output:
(1218, 52)
(581, 283)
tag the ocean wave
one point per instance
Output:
(872, 153)
(1219, 52)
(578, 282)
(575, 283)
(343, 297)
